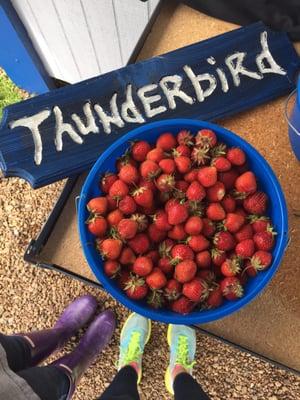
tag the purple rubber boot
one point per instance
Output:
(75, 316)
(92, 343)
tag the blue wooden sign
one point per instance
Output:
(63, 132)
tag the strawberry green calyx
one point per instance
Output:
(134, 282)
(234, 288)
(239, 195)
(141, 220)
(219, 150)
(164, 250)
(253, 218)
(200, 155)
(196, 208)
(155, 298)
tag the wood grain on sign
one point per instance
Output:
(80, 39)
(63, 132)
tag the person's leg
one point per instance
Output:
(123, 386)
(186, 387)
(135, 335)
(178, 379)
(49, 383)
(25, 350)
(92, 343)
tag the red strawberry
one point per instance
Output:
(124, 276)
(207, 274)
(165, 265)
(155, 299)
(172, 290)
(149, 169)
(127, 205)
(236, 156)
(200, 155)
(234, 222)
(209, 227)
(215, 298)
(142, 266)
(231, 288)
(156, 279)
(215, 212)
(206, 137)
(177, 213)
(118, 189)
(111, 267)
(241, 211)
(231, 266)
(198, 243)
(195, 192)
(182, 305)
(156, 154)
(143, 196)
(228, 203)
(196, 290)
(127, 228)
(185, 137)
(228, 178)
(140, 243)
(165, 182)
(167, 165)
(97, 225)
(177, 233)
(193, 225)
(127, 256)
(148, 184)
(264, 240)
(224, 241)
(182, 186)
(170, 203)
(110, 248)
(185, 271)
(182, 150)
(246, 183)
(203, 259)
(207, 176)
(155, 234)
(245, 248)
(183, 164)
(216, 192)
(129, 174)
(261, 260)
(221, 163)
(98, 205)
(139, 150)
(192, 175)
(218, 257)
(112, 203)
(141, 220)
(107, 181)
(260, 224)
(153, 255)
(135, 288)
(256, 203)
(166, 141)
(160, 220)
(181, 252)
(246, 232)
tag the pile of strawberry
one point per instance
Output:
(182, 223)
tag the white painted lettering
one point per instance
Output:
(62, 127)
(105, 119)
(223, 79)
(266, 56)
(148, 100)
(175, 91)
(33, 123)
(90, 125)
(196, 79)
(129, 107)
(235, 64)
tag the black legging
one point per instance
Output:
(50, 383)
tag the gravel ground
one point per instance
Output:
(31, 298)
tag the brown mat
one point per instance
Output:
(271, 324)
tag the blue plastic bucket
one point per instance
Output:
(293, 118)
(267, 181)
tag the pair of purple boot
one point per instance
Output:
(74, 317)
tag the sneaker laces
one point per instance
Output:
(182, 353)
(133, 351)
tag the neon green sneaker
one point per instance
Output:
(182, 342)
(135, 335)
